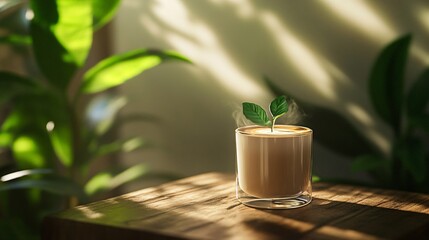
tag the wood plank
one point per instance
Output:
(204, 207)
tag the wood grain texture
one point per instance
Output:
(204, 207)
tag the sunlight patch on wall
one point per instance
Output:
(300, 56)
(369, 125)
(423, 16)
(244, 8)
(420, 54)
(198, 42)
(358, 14)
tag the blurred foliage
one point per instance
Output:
(54, 125)
(405, 111)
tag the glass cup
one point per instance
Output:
(274, 168)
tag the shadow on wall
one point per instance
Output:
(320, 52)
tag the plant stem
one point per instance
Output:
(273, 123)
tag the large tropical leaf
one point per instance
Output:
(12, 84)
(412, 154)
(16, 40)
(45, 115)
(418, 96)
(62, 36)
(55, 184)
(61, 139)
(30, 151)
(117, 69)
(23, 173)
(59, 127)
(103, 11)
(386, 81)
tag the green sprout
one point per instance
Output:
(256, 114)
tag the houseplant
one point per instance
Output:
(56, 121)
(404, 110)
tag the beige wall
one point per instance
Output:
(321, 51)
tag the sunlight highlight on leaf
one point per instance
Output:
(28, 152)
(120, 68)
(23, 173)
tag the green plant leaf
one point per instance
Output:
(103, 11)
(16, 40)
(421, 121)
(57, 185)
(256, 114)
(6, 139)
(30, 151)
(387, 79)
(62, 36)
(413, 158)
(104, 181)
(117, 69)
(61, 139)
(369, 162)
(418, 96)
(52, 58)
(24, 173)
(125, 146)
(315, 179)
(33, 113)
(278, 106)
(12, 84)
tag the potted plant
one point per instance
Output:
(56, 121)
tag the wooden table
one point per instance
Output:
(204, 207)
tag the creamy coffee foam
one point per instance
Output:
(274, 164)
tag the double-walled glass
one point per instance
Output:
(274, 168)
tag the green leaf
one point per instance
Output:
(103, 11)
(315, 179)
(12, 84)
(387, 79)
(256, 114)
(24, 173)
(45, 12)
(125, 146)
(421, 121)
(57, 185)
(369, 163)
(62, 36)
(6, 139)
(117, 69)
(412, 154)
(278, 106)
(35, 113)
(16, 40)
(51, 57)
(106, 181)
(61, 139)
(30, 151)
(418, 96)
